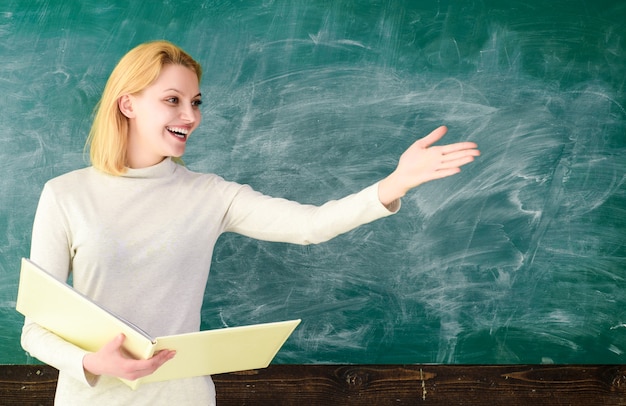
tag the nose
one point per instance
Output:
(188, 113)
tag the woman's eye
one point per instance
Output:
(173, 100)
(196, 103)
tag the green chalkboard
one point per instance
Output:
(520, 259)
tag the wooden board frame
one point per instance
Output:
(313, 385)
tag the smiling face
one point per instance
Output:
(162, 116)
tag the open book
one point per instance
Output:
(72, 316)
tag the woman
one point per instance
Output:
(137, 229)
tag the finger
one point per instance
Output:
(164, 355)
(432, 138)
(116, 343)
(459, 146)
(456, 164)
(140, 368)
(462, 154)
(161, 358)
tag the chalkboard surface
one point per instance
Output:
(519, 259)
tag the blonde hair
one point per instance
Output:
(108, 137)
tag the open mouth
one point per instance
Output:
(178, 132)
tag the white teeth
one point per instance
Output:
(178, 130)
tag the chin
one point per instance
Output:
(177, 153)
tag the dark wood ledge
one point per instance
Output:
(324, 385)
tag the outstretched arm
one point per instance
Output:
(423, 162)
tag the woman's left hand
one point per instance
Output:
(422, 162)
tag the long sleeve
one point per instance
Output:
(272, 219)
(50, 248)
(54, 351)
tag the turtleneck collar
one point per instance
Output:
(160, 170)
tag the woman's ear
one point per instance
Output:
(125, 105)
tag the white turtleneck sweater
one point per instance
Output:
(141, 245)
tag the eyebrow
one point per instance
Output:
(179, 92)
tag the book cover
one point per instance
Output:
(58, 307)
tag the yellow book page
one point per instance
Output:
(57, 307)
(222, 350)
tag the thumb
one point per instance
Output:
(432, 138)
(117, 342)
